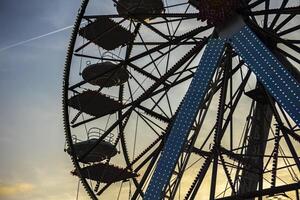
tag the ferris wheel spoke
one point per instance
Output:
(197, 129)
(149, 157)
(168, 24)
(150, 55)
(284, 22)
(191, 194)
(166, 19)
(144, 152)
(154, 114)
(288, 55)
(164, 54)
(185, 155)
(290, 30)
(227, 173)
(153, 157)
(288, 44)
(266, 15)
(175, 41)
(294, 41)
(162, 181)
(180, 22)
(146, 120)
(286, 10)
(255, 4)
(234, 103)
(96, 57)
(155, 102)
(167, 89)
(165, 94)
(98, 36)
(219, 124)
(291, 133)
(189, 148)
(147, 150)
(143, 72)
(169, 73)
(187, 43)
(162, 15)
(141, 20)
(119, 65)
(240, 160)
(122, 124)
(261, 193)
(145, 96)
(197, 182)
(277, 16)
(174, 181)
(285, 134)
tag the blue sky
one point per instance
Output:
(33, 164)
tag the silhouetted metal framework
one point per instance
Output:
(161, 98)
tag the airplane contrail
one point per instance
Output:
(34, 38)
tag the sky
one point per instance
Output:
(33, 164)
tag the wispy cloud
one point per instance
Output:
(14, 189)
(34, 38)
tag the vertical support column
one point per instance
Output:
(184, 120)
(261, 121)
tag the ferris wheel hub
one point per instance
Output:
(137, 7)
(216, 11)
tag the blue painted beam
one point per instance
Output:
(269, 71)
(185, 118)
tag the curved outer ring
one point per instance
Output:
(65, 96)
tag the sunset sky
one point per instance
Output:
(33, 41)
(33, 164)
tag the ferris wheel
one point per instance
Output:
(181, 99)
